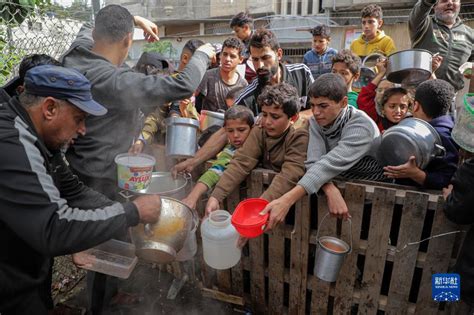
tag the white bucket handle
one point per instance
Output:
(350, 231)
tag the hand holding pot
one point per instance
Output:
(381, 66)
(149, 208)
(187, 166)
(407, 170)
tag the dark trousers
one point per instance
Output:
(100, 287)
(31, 303)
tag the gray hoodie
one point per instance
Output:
(123, 92)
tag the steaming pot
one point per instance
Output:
(163, 184)
(160, 242)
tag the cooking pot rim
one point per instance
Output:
(212, 114)
(413, 49)
(159, 174)
(423, 122)
(181, 121)
(399, 133)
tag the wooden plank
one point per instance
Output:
(257, 275)
(437, 259)
(224, 280)
(217, 295)
(320, 290)
(237, 283)
(411, 225)
(380, 221)
(276, 254)
(299, 257)
(354, 196)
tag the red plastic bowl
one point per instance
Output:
(246, 218)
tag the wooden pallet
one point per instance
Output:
(380, 274)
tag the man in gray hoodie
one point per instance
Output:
(99, 55)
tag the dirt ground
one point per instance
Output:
(150, 283)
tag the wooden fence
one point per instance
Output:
(381, 275)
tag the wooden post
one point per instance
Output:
(377, 244)
(354, 196)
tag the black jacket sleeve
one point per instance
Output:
(72, 189)
(34, 209)
(459, 207)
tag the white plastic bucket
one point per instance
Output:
(134, 171)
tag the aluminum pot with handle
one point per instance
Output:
(209, 118)
(160, 242)
(410, 137)
(181, 137)
(411, 66)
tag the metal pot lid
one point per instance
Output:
(396, 148)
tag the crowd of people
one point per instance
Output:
(63, 122)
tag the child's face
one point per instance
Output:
(237, 131)
(396, 108)
(383, 85)
(370, 25)
(341, 69)
(229, 59)
(274, 120)
(320, 44)
(325, 110)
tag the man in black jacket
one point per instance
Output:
(458, 208)
(45, 211)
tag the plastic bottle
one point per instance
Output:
(219, 241)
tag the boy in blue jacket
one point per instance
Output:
(433, 99)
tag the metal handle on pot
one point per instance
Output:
(148, 230)
(350, 230)
(440, 151)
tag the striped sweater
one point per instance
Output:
(328, 157)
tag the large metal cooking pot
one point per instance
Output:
(209, 118)
(412, 136)
(161, 241)
(163, 184)
(410, 67)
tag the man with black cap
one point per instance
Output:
(45, 211)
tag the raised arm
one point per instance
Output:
(419, 20)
